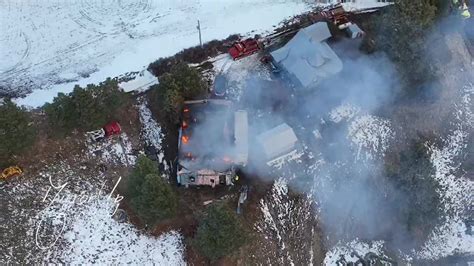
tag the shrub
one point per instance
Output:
(16, 132)
(195, 55)
(219, 233)
(85, 108)
(150, 195)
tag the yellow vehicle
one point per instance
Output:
(10, 172)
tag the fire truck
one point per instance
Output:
(244, 48)
(110, 129)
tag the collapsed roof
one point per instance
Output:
(213, 141)
(307, 57)
(206, 136)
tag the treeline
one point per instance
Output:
(193, 55)
(83, 109)
(86, 108)
(404, 31)
(418, 204)
(17, 132)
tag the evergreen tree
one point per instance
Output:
(220, 233)
(150, 195)
(16, 132)
(402, 34)
(180, 84)
(61, 113)
(418, 204)
(173, 103)
(157, 200)
(143, 167)
(188, 81)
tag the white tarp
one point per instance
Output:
(277, 141)
(307, 57)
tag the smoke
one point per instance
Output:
(348, 187)
(208, 135)
(342, 176)
(343, 151)
(346, 184)
(351, 195)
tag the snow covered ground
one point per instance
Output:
(239, 73)
(288, 224)
(151, 131)
(73, 222)
(91, 235)
(347, 251)
(343, 112)
(369, 135)
(141, 82)
(112, 150)
(45, 43)
(456, 191)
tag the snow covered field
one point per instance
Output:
(333, 257)
(108, 241)
(450, 237)
(48, 42)
(63, 211)
(456, 189)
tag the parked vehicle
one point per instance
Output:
(244, 48)
(338, 16)
(110, 129)
(220, 86)
(10, 172)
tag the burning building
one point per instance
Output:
(213, 143)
